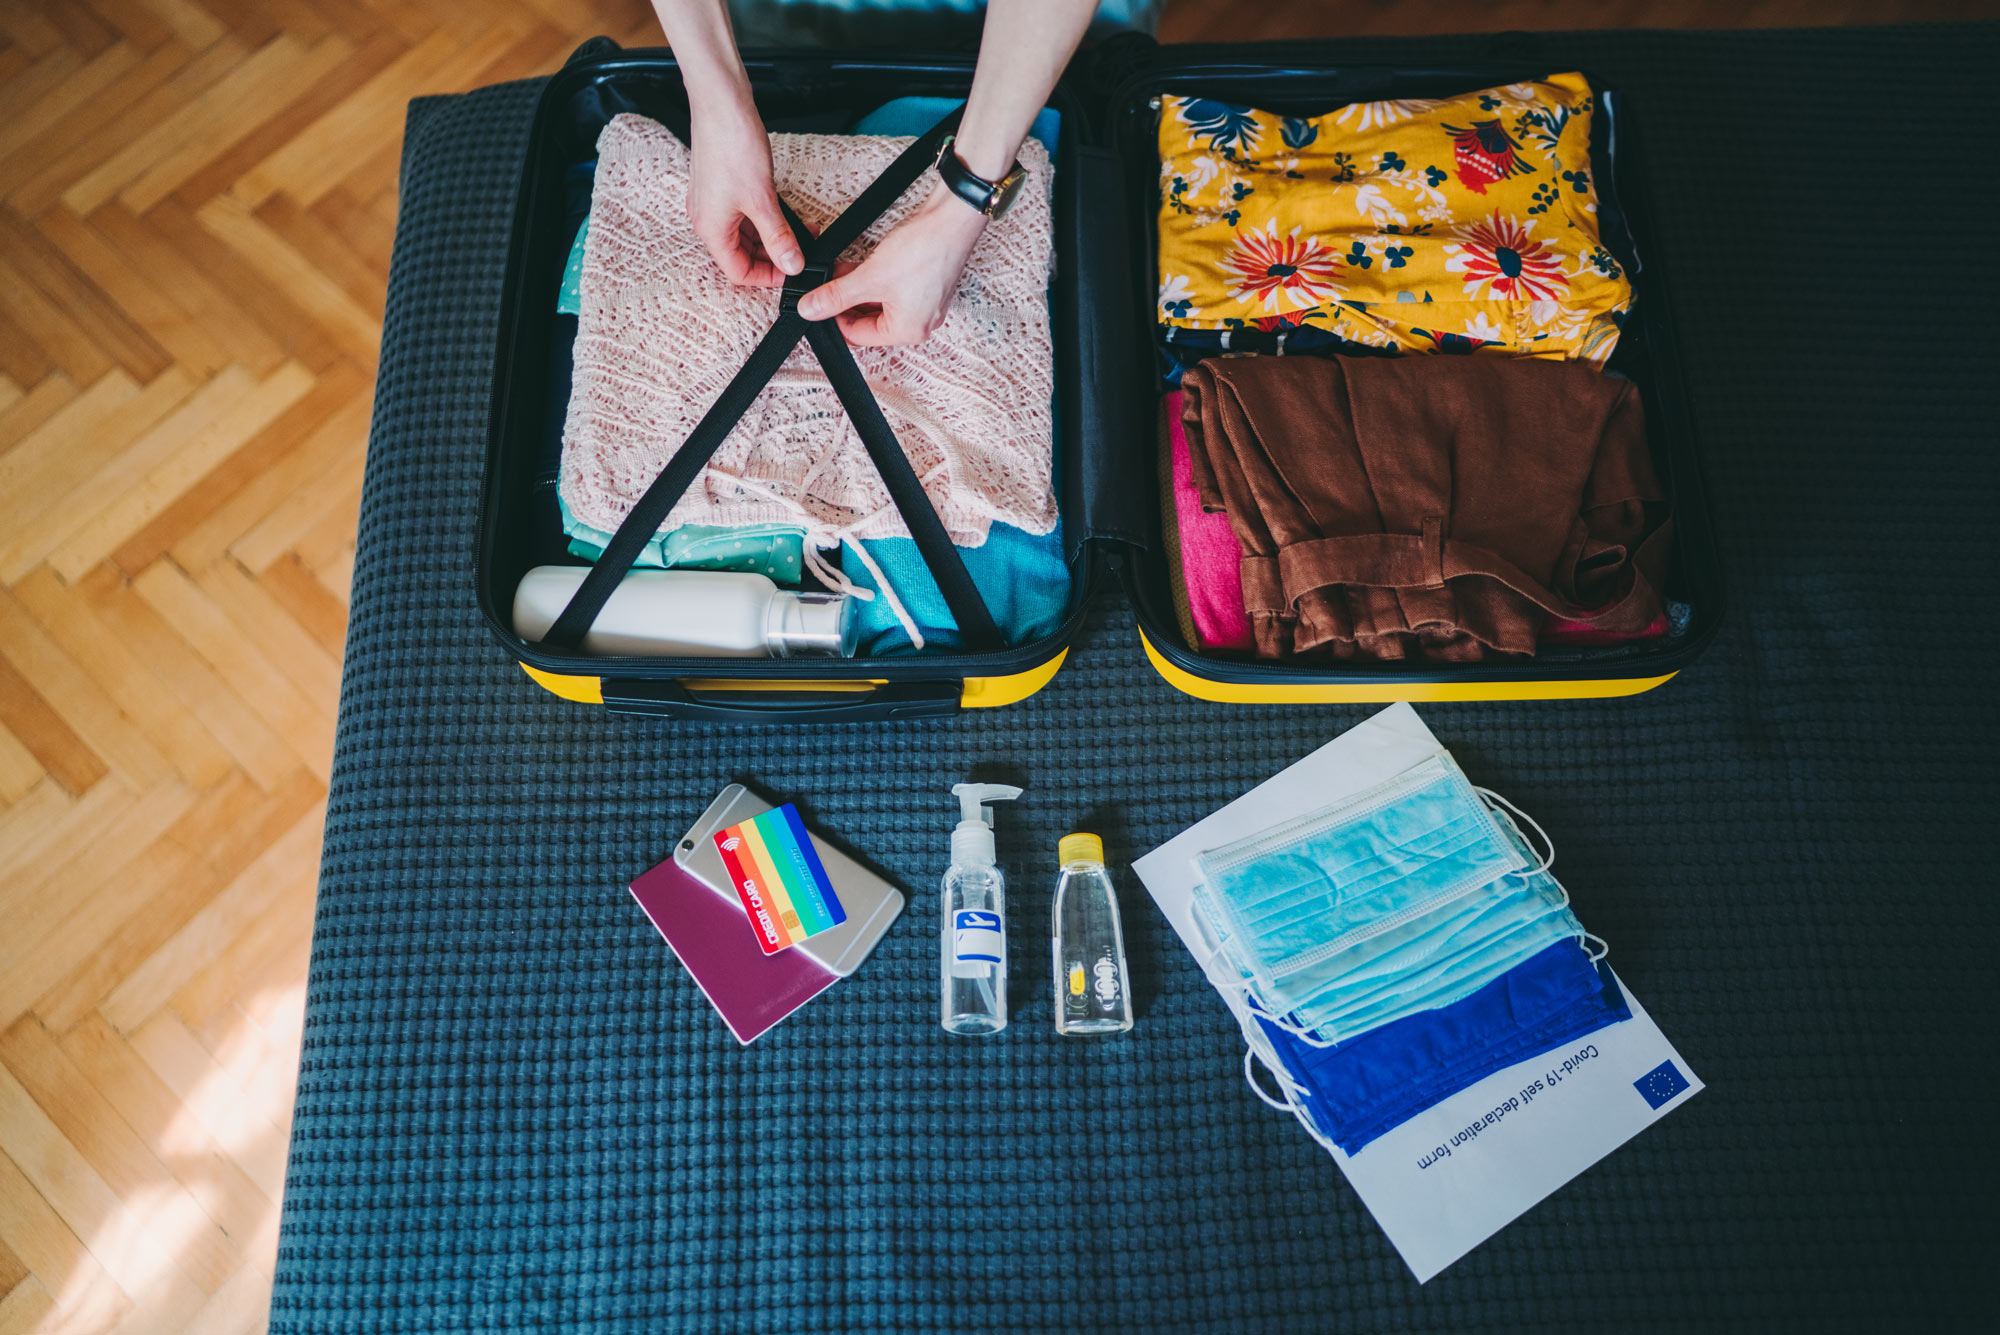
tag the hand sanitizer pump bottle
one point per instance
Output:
(973, 989)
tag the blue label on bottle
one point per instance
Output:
(976, 937)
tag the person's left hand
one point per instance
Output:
(900, 293)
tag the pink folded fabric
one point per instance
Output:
(1560, 633)
(1211, 558)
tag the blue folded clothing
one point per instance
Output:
(1361, 1089)
(1021, 576)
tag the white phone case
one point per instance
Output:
(871, 902)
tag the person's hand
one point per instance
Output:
(900, 293)
(733, 203)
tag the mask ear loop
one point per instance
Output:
(1245, 987)
(1507, 811)
(1290, 1105)
(1302, 1034)
(1290, 1086)
(1251, 1061)
(1506, 807)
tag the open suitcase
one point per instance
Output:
(1107, 388)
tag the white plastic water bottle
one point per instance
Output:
(1093, 988)
(972, 991)
(691, 613)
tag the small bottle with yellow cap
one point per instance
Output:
(1093, 988)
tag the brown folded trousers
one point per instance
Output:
(1431, 508)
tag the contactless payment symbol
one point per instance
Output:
(1659, 1085)
(778, 878)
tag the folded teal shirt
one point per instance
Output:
(1022, 576)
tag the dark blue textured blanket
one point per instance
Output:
(515, 1112)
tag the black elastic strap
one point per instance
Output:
(947, 567)
(884, 190)
(652, 508)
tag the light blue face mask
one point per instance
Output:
(1394, 961)
(1304, 892)
(1536, 919)
(1408, 896)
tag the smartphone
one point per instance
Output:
(871, 902)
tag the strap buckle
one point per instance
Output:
(798, 284)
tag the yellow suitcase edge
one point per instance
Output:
(978, 693)
(1251, 693)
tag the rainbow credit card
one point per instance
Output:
(778, 877)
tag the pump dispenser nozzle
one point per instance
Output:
(972, 841)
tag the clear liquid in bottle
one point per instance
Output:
(973, 993)
(1093, 987)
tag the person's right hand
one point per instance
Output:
(733, 203)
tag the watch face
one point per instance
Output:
(1004, 192)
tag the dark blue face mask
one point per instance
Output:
(1356, 1091)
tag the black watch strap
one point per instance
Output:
(991, 198)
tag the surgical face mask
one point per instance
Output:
(1353, 1093)
(1302, 894)
(1338, 1014)
(1447, 939)
(1467, 908)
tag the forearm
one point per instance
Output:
(705, 48)
(1022, 51)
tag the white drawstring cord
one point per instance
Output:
(820, 536)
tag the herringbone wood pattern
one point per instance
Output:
(197, 199)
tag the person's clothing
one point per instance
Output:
(1180, 347)
(569, 296)
(1022, 576)
(1455, 224)
(907, 24)
(1433, 508)
(1358, 1091)
(1203, 553)
(912, 116)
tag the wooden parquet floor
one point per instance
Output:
(197, 201)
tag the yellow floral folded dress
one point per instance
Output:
(1459, 224)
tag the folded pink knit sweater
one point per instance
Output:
(662, 331)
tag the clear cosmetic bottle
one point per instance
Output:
(1093, 987)
(973, 986)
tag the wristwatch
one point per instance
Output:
(991, 198)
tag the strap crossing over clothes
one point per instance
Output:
(968, 608)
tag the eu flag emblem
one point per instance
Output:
(1660, 1084)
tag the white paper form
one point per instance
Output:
(1454, 1175)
